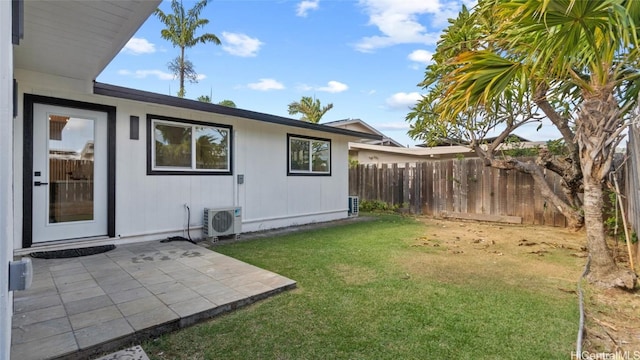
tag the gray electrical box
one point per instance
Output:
(20, 274)
(240, 179)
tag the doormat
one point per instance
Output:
(70, 253)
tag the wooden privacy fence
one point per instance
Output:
(70, 169)
(457, 187)
(71, 200)
(70, 189)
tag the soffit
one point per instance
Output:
(77, 39)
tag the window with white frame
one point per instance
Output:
(308, 156)
(178, 146)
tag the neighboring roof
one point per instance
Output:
(77, 39)
(456, 142)
(511, 138)
(150, 97)
(360, 125)
(433, 151)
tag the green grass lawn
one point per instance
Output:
(355, 300)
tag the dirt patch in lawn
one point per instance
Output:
(534, 257)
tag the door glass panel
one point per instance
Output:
(71, 146)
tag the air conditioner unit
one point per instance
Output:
(353, 206)
(221, 222)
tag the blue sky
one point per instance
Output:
(366, 57)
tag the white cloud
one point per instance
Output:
(334, 87)
(450, 10)
(421, 56)
(305, 6)
(138, 46)
(398, 22)
(403, 100)
(266, 85)
(240, 44)
(304, 87)
(141, 74)
(201, 77)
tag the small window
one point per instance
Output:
(187, 147)
(308, 156)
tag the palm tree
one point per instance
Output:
(511, 110)
(180, 30)
(310, 109)
(581, 53)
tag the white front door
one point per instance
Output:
(69, 173)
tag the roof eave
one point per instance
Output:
(150, 97)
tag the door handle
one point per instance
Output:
(38, 183)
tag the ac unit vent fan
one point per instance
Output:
(222, 221)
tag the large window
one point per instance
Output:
(308, 156)
(178, 146)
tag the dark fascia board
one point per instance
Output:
(150, 97)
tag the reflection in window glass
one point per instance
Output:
(71, 169)
(309, 156)
(173, 146)
(212, 148)
(185, 147)
(299, 154)
(320, 156)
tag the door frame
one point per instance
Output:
(27, 172)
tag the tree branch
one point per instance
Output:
(574, 219)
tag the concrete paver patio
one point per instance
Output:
(78, 308)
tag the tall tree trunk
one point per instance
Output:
(603, 270)
(597, 121)
(181, 92)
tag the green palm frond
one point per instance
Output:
(482, 75)
(310, 108)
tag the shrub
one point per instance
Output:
(376, 206)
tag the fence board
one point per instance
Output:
(472, 184)
(511, 192)
(526, 198)
(487, 189)
(464, 187)
(405, 184)
(450, 191)
(417, 187)
(427, 189)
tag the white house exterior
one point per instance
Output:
(145, 162)
(6, 172)
(84, 163)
